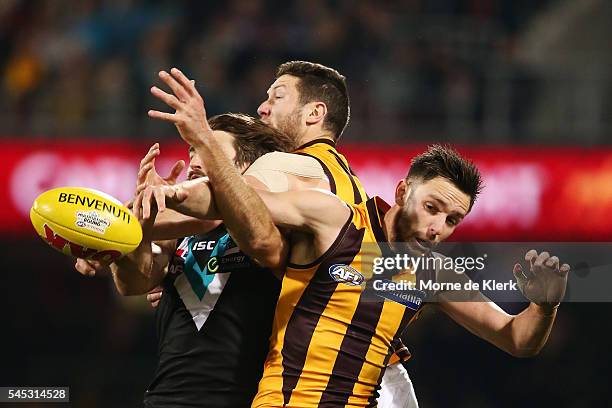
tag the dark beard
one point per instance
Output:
(402, 227)
(403, 231)
(290, 126)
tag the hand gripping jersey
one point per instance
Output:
(213, 324)
(332, 338)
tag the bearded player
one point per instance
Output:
(310, 103)
(214, 320)
(529, 328)
(330, 342)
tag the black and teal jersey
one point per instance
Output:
(213, 323)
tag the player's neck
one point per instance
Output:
(315, 134)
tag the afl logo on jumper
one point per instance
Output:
(346, 274)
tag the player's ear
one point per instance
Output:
(402, 190)
(316, 112)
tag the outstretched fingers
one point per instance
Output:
(187, 84)
(177, 88)
(165, 116)
(165, 97)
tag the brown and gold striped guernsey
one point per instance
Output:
(342, 180)
(331, 338)
(345, 184)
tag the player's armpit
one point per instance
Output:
(317, 215)
(303, 183)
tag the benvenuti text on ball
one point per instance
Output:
(94, 203)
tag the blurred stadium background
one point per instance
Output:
(523, 87)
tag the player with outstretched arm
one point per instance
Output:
(430, 203)
(214, 320)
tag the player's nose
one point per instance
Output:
(264, 110)
(436, 227)
(432, 235)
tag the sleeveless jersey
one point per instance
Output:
(344, 183)
(332, 337)
(213, 324)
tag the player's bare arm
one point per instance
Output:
(195, 199)
(174, 225)
(524, 334)
(142, 270)
(266, 173)
(315, 212)
(243, 213)
(279, 172)
(190, 198)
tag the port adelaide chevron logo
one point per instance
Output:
(346, 274)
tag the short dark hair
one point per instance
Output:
(252, 137)
(444, 161)
(324, 84)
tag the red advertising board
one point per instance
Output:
(530, 194)
(535, 194)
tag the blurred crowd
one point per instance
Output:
(435, 69)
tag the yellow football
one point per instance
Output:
(85, 223)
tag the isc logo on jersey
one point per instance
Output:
(346, 274)
(204, 246)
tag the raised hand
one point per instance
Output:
(155, 198)
(545, 281)
(190, 115)
(148, 175)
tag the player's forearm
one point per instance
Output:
(132, 274)
(171, 224)
(530, 329)
(198, 203)
(521, 335)
(241, 208)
